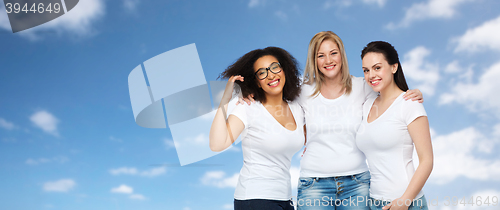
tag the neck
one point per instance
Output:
(390, 92)
(274, 100)
(333, 83)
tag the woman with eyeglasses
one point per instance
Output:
(272, 129)
(333, 170)
(391, 126)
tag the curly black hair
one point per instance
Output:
(244, 67)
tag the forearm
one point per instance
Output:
(419, 178)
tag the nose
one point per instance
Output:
(371, 74)
(270, 74)
(329, 59)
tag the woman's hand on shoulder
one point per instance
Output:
(249, 100)
(414, 95)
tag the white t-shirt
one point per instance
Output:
(388, 147)
(268, 148)
(331, 132)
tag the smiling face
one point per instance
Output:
(273, 84)
(378, 73)
(329, 60)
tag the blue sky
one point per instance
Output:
(68, 139)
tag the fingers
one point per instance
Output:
(236, 77)
(409, 94)
(387, 207)
(248, 101)
(239, 77)
(251, 98)
(413, 95)
(240, 101)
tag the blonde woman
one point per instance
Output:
(334, 173)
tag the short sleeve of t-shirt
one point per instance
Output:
(411, 110)
(240, 111)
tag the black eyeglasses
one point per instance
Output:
(262, 72)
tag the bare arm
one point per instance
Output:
(224, 132)
(420, 134)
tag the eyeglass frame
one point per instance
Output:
(268, 69)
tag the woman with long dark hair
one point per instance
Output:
(390, 129)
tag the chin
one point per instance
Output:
(331, 74)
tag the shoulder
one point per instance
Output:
(307, 89)
(358, 80)
(410, 110)
(358, 86)
(409, 104)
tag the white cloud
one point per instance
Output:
(479, 198)
(228, 206)
(416, 68)
(496, 131)
(130, 5)
(137, 197)
(454, 157)
(123, 170)
(154, 171)
(77, 21)
(200, 140)
(63, 185)
(133, 171)
(432, 9)
(255, 3)
(58, 159)
(123, 189)
(380, 3)
(169, 144)
(465, 74)
(338, 3)
(6, 124)
(281, 15)
(46, 121)
(112, 138)
(480, 38)
(478, 96)
(219, 179)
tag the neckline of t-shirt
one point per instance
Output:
(274, 119)
(329, 101)
(392, 104)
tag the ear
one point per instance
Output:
(394, 68)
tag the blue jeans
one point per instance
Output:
(417, 204)
(339, 193)
(262, 204)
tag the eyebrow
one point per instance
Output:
(329, 51)
(376, 64)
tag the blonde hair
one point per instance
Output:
(313, 75)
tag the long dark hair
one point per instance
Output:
(391, 55)
(244, 67)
